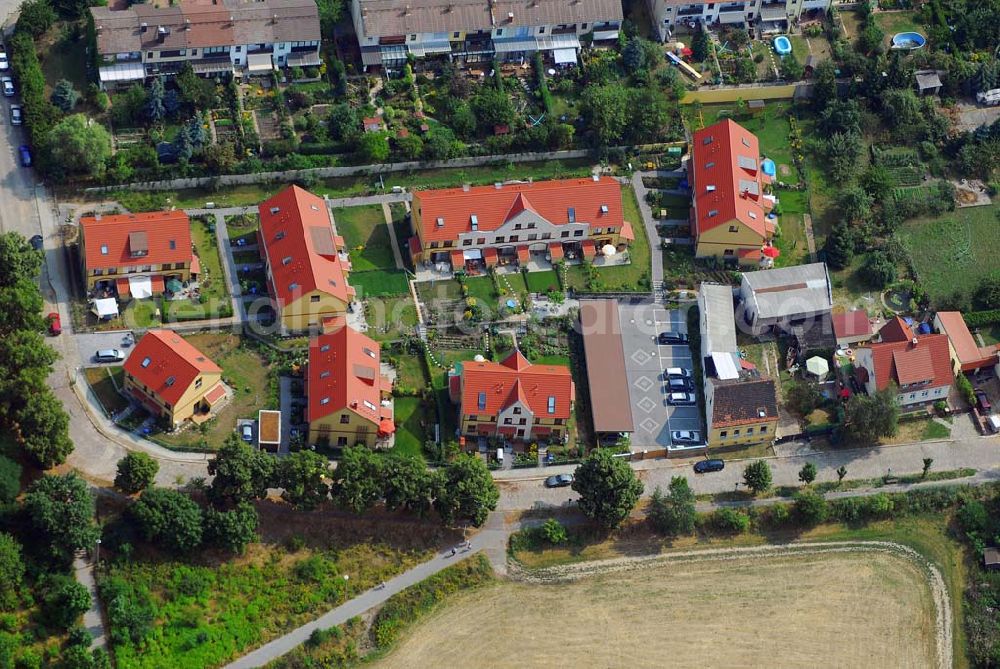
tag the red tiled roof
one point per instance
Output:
(344, 373)
(716, 154)
(490, 255)
(556, 249)
(627, 232)
(551, 200)
(457, 258)
(166, 236)
(523, 254)
(896, 330)
(414, 245)
(300, 247)
(173, 364)
(195, 265)
(589, 248)
(851, 324)
(906, 363)
(516, 379)
(970, 355)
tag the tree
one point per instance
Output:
(877, 182)
(374, 147)
(878, 271)
(64, 600)
(241, 473)
(220, 158)
(17, 259)
(301, 476)
(607, 109)
(700, 45)
(329, 15)
(357, 480)
(407, 484)
(808, 473)
(841, 473)
(901, 107)
(44, 429)
(839, 246)
(824, 85)
(757, 476)
(10, 480)
(64, 96)
(810, 507)
(11, 571)
(441, 144)
(791, 68)
(78, 145)
(867, 418)
(462, 120)
(652, 113)
(673, 514)
(492, 107)
(411, 146)
(871, 38)
(231, 530)
(634, 56)
(168, 518)
(608, 488)
(20, 307)
(36, 17)
(59, 510)
(987, 293)
(803, 397)
(136, 472)
(927, 467)
(466, 491)
(196, 93)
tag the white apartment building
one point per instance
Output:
(770, 14)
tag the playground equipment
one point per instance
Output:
(683, 67)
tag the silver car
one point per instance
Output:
(682, 399)
(685, 437)
(8, 86)
(109, 355)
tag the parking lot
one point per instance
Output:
(89, 344)
(645, 362)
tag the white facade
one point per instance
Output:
(668, 14)
(908, 395)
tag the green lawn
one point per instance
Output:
(410, 370)
(140, 313)
(542, 282)
(955, 251)
(516, 282)
(367, 237)
(390, 317)
(489, 174)
(792, 242)
(106, 382)
(410, 434)
(482, 288)
(445, 289)
(379, 283)
(898, 22)
(63, 58)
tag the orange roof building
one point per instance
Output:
(919, 365)
(513, 399)
(851, 327)
(136, 254)
(472, 227)
(729, 203)
(172, 379)
(966, 354)
(307, 274)
(349, 399)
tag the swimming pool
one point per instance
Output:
(782, 45)
(908, 41)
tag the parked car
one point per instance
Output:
(4, 63)
(247, 432)
(109, 355)
(982, 401)
(675, 338)
(676, 372)
(37, 242)
(706, 466)
(682, 399)
(8, 86)
(680, 385)
(685, 437)
(16, 115)
(559, 481)
(55, 325)
(25, 154)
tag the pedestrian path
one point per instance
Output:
(396, 255)
(93, 621)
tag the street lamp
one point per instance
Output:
(97, 552)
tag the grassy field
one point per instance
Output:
(390, 317)
(379, 283)
(105, 382)
(898, 22)
(792, 242)
(482, 288)
(367, 237)
(880, 602)
(245, 371)
(410, 434)
(542, 282)
(955, 251)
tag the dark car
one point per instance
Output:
(672, 338)
(55, 325)
(559, 481)
(37, 242)
(680, 385)
(706, 466)
(982, 401)
(25, 153)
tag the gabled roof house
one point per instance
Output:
(918, 365)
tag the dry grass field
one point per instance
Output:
(847, 609)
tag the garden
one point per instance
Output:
(373, 266)
(107, 384)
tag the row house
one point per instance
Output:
(475, 228)
(305, 261)
(349, 399)
(767, 14)
(512, 400)
(472, 31)
(136, 255)
(214, 36)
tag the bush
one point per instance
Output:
(810, 507)
(136, 472)
(730, 520)
(64, 600)
(980, 319)
(10, 480)
(553, 532)
(965, 388)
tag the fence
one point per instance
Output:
(707, 95)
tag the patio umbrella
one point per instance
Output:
(386, 426)
(174, 286)
(771, 252)
(818, 366)
(609, 250)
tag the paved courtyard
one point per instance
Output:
(645, 362)
(89, 344)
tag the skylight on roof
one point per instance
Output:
(171, 380)
(325, 373)
(752, 214)
(552, 403)
(173, 244)
(293, 287)
(604, 208)
(707, 140)
(146, 362)
(324, 348)
(325, 400)
(714, 212)
(314, 207)
(370, 353)
(709, 188)
(482, 400)
(571, 214)
(275, 210)
(746, 142)
(279, 235)
(369, 406)
(104, 249)
(709, 164)
(286, 260)
(440, 222)
(474, 221)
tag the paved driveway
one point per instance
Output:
(645, 362)
(88, 344)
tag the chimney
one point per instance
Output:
(466, 188)
(274, 18)
(187, 24)
(914, 341)
(143, 26)
(510, 16)
(498, 185)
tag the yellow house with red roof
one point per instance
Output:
(729, 203)
(485, 226)
(306, 271)
(172, 379)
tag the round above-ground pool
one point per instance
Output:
(782, 45)
(908, 41)
(768, 167)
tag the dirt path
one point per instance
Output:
(943, 617)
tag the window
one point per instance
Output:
(517, 411)
(194, 52)
(517, 226)
(324, 401)
(532, 237)
(146, 362)
(552, 404)
(114, 270)
(499, 32)
(749, 431)
(98, 272)
(723, 434)
(541, 31)
(434, 245)
(727, 252)
(564, 233)
(912, 395)
(314, 298)
(104, 249)
(480, 241)
(598, 231)
(341, 441)
(345, 419)
(578, 233)
(413, 37)
(924, 394)
(612, 230)
(531, 226)
(500, 239)
(506, 421)
(149, 54)
(546, 235)
(324, 348)
(166, 266)
(473, 417)
(763, 429)
(522, 421)
(713, 213)
(466, 242)
(173, 245)
(513, 238)
(238, 49)
(447, 244)
(734, 228)
(324, 374)
(455, 35)
(482, 401)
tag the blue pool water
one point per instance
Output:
(908, 41)
(767, 165)
(782, 45)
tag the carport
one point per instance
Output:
(602, 347)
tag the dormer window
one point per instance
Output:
(138, 244)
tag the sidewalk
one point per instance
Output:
(93, 621)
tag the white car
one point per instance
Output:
(685, 437)
(682, 399)
(8, 86)
(4, 63)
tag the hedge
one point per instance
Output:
(978, 319)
